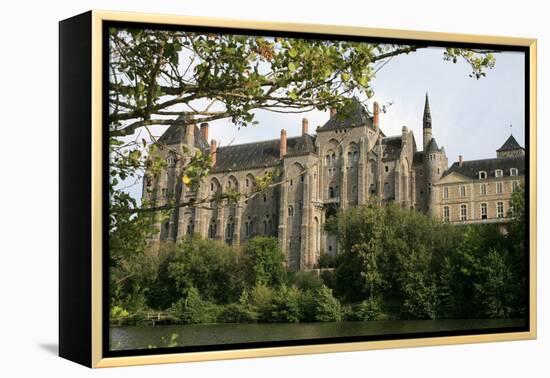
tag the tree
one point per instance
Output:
(156, 76)
(327, 308)
(263, 262)
(192, 309)
(210, 266)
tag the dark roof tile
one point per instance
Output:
(471, 168)
(260, 154)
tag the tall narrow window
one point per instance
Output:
(499, 187)
(500, 209)
(445, 192)
(483, 211)
(290, 211)
(463, 212)
(515, 186)
(446, 214)
(482, 189)
(463, 191)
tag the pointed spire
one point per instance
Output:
(427, 119)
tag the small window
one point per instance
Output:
(212, 187)
(498, 173)
(327, 160)
(445, 193)
(301, 178)
(483, 189)
(331, 193)
(386, 168)
(515, 186)
(482, 175)
(500, 209)
(499, 187)
(483, 211)
(463, 213)
(291, 182)
(446, 214)
(463, 191)
(513, 171)
(247, 182)
(265, 197)
(290, 211)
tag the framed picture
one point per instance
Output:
(234, 189)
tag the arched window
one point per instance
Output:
(331, 192)
(498, 173)
(482, 175)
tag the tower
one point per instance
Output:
(427, 124)
(435, 160)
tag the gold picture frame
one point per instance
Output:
(90, 266)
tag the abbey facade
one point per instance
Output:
(347, 161)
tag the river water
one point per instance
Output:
(138, 337)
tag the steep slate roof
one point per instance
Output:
(176, 134)
(432, 146)
(260, 154)
(471, 168)
(418, 157)
(355, 115)
(510, 144)
(391, 147)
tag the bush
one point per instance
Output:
(286, 305)
(241, 312)
(305, 280)
(261, 297)
(194, 310)
(368, 310)
(118, 315)
(327, 308)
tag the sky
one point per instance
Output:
(470, 117)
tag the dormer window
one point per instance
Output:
(482, 175)
(498, 173)
(513, 171)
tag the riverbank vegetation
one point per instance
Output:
(393, 264)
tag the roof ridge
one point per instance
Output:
(263, 141)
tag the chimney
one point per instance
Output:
(404, 131)
(332, 112)
(460, 161)
(204, 131)
(190, 134)
(213, 151)
(376, 114)
(305, 125)
(282, 145)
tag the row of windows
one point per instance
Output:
(463, 190)
(482, 211)
(498, 173)
(330, 159)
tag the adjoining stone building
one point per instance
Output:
(480, 191)
(347, 161)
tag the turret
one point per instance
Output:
(427, 124)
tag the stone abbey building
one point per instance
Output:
(347, 161)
